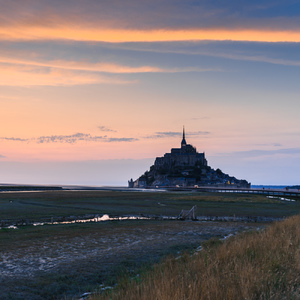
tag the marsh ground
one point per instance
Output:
(57, 261)
(46, 204)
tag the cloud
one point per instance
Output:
(136, 14)
(22, 72)
(25, 75)
(106, 129)
(112, 35)
(14, 139)
(166, 134)
(111, 140)
(77, 137)
(286, 54)
(2, 156)
(251, 57)
(198, 133)
(137, 21)
(100, 67)
(70, 139)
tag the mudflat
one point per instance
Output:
(63, 261)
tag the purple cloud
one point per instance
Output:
(14, 139)
(70, 139)
(110, 140)
(106, 129)
(166, 134)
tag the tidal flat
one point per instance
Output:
(65, 261)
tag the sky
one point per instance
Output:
(92, 91)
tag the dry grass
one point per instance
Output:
(257, 265)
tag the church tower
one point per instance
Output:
(183, 142)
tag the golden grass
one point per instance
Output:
(256, 265)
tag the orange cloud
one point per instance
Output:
(85, 66)
(37, 75)
(128, 35)
(17, 72)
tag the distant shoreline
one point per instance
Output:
(32, 188)
(41, 188)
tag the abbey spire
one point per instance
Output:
(183, 142)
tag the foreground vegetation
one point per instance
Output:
(259, 265)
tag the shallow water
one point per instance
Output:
(96, 219)
(280, 198)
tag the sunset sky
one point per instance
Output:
(92, 91)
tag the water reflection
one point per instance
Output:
(95, 219)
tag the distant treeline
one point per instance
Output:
(294, 187)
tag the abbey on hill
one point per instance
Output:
(184, 167)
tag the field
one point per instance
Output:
(64, 261)
(37, 205)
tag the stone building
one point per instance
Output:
(184, 167)
(184, 156)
